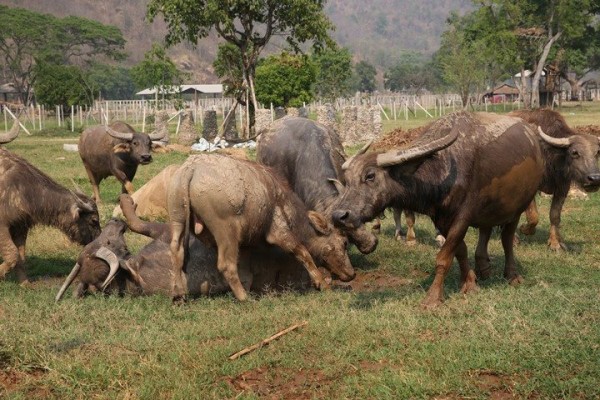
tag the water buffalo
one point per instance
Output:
(310, 157)
(233, 203)
(117, 150)
(107, 265)
(572, 157)
(478, 170)
(30, 197)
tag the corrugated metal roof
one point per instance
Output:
(200, 88)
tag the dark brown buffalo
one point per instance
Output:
(478, 170)
(310, 157)
(107, 265)
(117, 150)
(234, 203)
(29, 197)
(573, 158)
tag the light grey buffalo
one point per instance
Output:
(234, 204)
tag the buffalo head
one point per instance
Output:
(136, 146)
(582, 152)
(374, 180)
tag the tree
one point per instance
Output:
(228, 67)
(536, 28)
(285, 80)
(579, 57)
(364, 77)
(62, 85)
(461, 61)
(412, 73)
(334, 73)
(157, 70)
(28, 38)
(247, 24)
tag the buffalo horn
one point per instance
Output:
(396, 157)
(557, 142)
(118, 135)
(111, 259)
(363, 150)
(157, 135)
(68, 282)
(10, 135)
(339, 186)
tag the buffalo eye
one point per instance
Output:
(574, 153)
(135, 142)
(370, 176)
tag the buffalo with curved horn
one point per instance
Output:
(467, 169)
(117, 150)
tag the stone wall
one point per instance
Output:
(230, 130)
(210, 129)
(262, 120)
(187, 129)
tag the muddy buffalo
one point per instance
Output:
(234, 203)
(107, 265)
(310, 157)
(115, 150)
(30, 197)
(478, 170)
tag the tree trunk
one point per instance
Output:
(535, 84)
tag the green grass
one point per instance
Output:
(538, 340)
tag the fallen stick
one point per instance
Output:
(266, 341)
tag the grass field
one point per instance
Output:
(539, 340)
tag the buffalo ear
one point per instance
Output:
(319, 222)
(122, 148)
(75, 211)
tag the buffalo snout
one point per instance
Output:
(341, 218)
(592, 182)
(145, 158)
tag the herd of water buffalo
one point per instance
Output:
(287, 219)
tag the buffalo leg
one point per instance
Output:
(227, 265)
(127, 186)
(10, 252)
(411, 238)
(532, 217)
(482, 257)
(555, 241)
(468, 282)
(19, 238)
(443, 262)
(95, 184)
(284, 239)
(510, 266)
(177, 248)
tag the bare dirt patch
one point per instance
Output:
(12, 380)
(281, 383)
(588, 129)
(374, 281)
(398, 138)
(499, 386)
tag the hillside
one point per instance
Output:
(378, 33)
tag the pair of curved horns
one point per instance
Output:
(396, 157)
(129, 136)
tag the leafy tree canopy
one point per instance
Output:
(285, 80)
(334, 73)
(412, 73)
(156, 69)
(364, 77)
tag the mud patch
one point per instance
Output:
(497, 385)
(398, 138)
(374, 281)
(280, 383)
(12, 380)
(588, 129)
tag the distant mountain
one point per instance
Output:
(377, 31)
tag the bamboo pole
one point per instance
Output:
(266, 341)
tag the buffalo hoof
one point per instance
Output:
(322, 285)
(411, 242)
(179, 300)
(527, 229)
(557, 246)
(470, 284)
(430, 304)
(440, 240)
(515, 280)
(483, 268)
